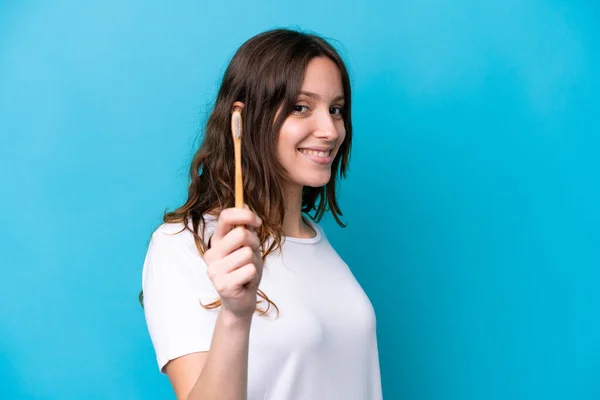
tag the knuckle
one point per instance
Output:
(248, 253)
(256, 241)
(248, 237)
(241, 234)
(211, 273)
(220, 286)
(252, 270)
(225, 215)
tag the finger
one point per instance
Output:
(243, 275)
(231, 217)
(235, 239)
(240, 237)
(238, 258)
(257, 260)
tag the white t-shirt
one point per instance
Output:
(323, 344)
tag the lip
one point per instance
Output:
(317, 148)
(317, 159)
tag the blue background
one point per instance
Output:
(472, 200)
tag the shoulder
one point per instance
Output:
(172, 232)
(172, 245)
(177, 234)
(173, 260)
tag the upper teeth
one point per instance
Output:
(316, 153)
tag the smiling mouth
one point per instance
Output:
(322, 154)
(324, 158)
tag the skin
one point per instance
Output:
(234, 260)
(315, 122)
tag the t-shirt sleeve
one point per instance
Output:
(175, 281)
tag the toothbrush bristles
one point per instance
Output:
(236, 127)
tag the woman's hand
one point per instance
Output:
(235, 261)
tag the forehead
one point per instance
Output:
(323, 77)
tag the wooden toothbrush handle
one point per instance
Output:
(239, 181)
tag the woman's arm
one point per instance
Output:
(234, 265)
(220, 373)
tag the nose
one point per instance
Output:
(325, 127)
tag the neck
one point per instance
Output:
(293, 226)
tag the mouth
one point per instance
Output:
(320, 157)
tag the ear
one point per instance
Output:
(237, 104)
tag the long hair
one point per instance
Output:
(266, 74)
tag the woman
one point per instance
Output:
(267, 309)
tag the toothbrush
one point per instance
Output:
(236, 132)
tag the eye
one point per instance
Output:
(337, 110)
(298, 108)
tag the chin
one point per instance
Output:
(316, 182)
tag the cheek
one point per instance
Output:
(291, 134)
(341, 134)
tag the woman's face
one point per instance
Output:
(312, 134)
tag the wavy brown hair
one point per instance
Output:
(266, 74)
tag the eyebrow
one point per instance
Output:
(317, 97)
